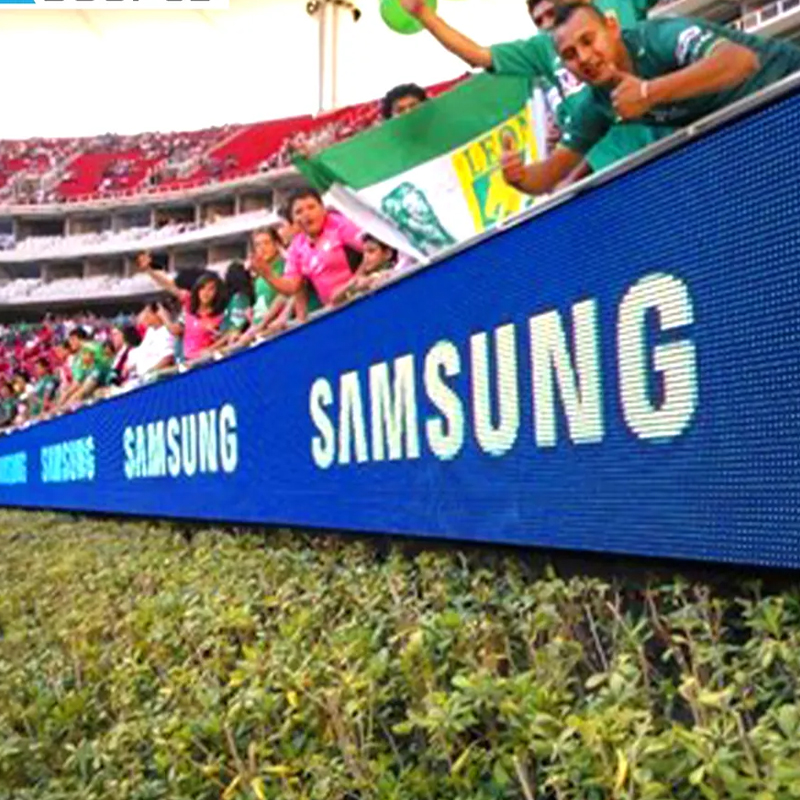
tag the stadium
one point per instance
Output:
(430, 433)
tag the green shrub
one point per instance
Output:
(137, 666)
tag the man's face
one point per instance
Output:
(543, 15)
(589, 46)
(405, 104)
(73, 343)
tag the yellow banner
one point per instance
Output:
(489, 197)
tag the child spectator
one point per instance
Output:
(157, 348)
(203, 307)
(241, 294)
(379, 260)
(319, 252)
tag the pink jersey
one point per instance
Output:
(324, 261)
(198, 332)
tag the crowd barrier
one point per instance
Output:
(618, 372)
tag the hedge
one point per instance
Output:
(138, 663)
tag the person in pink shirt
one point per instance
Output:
(203, 307)
(319, 253)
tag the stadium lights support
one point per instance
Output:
(328, 45)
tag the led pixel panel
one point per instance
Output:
(618, 374)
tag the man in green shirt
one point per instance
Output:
(95, 373)
(667, 72)
(45, 388)
(536, 57)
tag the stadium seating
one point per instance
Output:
(109, 166)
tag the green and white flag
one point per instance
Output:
(433, 175)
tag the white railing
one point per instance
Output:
(130, 241)
(757, 20)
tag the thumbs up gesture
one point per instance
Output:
(512, 162)
(631, 96)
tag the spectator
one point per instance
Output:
(8, 404)
(320, 252)
(239, 289)
(379, 260)
(666, 72)
(239, 310)
(537, 58)
(123, 341)
(402, 99)
(287, 228)
(45, 388)
(203, 307)
(73, 370)
(95, 373)
(157, 349)
(270, 306)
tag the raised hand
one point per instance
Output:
(630, 96)
(413, 7)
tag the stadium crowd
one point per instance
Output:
(315, 258)
(615, 84)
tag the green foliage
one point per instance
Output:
(137, 666)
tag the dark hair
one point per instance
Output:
(398, 93)
(285, 212)
(301, 194)
(187, 278)
(79, 332)
(565, 10)
(159, 261)
(533, 3)
(368, 237)
(239, 281)
(130, 335)
(272, 230)
(43, 361)
(220, 299)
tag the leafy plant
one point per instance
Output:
(138, 663)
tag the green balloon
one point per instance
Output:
(398, 19)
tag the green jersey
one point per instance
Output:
(659, 47)
(8, 410)
(235, 318)
(265, 294)
(76, 368)
(44, 390)
(100, 370)
(537, 58)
